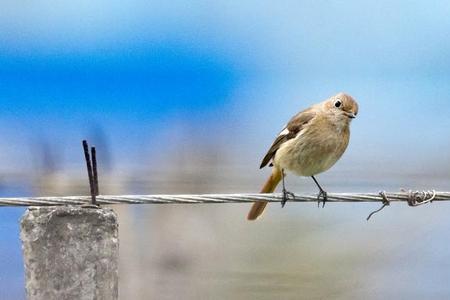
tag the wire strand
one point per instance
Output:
(411, 197)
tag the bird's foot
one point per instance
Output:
(286, 196)
(322, 196)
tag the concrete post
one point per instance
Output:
(70, 253)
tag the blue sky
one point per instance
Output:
(144, 74)
(132, 68)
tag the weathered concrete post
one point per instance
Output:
(70, 253)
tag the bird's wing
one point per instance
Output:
(290, 131)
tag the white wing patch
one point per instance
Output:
(285, 131)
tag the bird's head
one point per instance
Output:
(342, 106)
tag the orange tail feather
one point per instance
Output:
(270, 185)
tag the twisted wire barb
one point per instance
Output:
(413, 198)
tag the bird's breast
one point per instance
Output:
(314, 150)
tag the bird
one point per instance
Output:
(311, 142)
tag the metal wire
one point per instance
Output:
(413, 198)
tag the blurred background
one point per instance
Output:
(187, 96)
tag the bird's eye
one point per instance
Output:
(338, 103)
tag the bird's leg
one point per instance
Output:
(286, 194)
(322, 193)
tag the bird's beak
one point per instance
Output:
(351, 115)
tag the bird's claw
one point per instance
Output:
(286, 196)
(322, 195)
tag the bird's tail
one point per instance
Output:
(270, 185)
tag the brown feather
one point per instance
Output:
(270, 185)
(294, 126)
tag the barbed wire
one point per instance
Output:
(413, 198)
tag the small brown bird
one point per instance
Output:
(311, 143)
